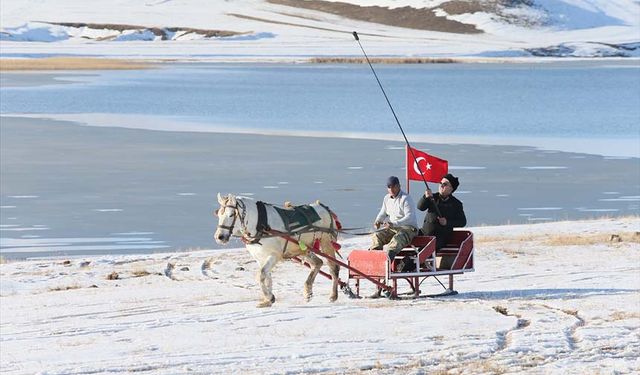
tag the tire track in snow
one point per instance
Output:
(503, 338)
(571, 331)
(206, 269)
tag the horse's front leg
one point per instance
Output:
(315, 263)
(264, 277)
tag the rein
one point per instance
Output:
(348, 231)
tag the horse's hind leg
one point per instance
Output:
(334, 269)
(264, 277)
(315, 263)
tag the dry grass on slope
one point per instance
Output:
(384, 60)
(568, 239)
(592, 239)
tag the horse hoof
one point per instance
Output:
(264, 304)
(333, 298)
(273, 298)
(307, 297)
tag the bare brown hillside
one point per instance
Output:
(407, 17)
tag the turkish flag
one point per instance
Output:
(432, 167)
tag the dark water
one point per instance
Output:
(69, 189)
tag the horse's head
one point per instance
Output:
(228, 220)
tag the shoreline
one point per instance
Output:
(614, 147)
(511, 232)
(88, 63)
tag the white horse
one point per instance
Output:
(239, 218)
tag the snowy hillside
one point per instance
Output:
(557, 298)
(288, 29)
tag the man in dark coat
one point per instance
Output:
(450, 209)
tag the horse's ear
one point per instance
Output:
(231, 199)
(220, 200)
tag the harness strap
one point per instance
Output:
(307, 218)
(262, 225)
(263, 229)
(334, 217)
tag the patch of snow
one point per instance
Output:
(583, 14)
(23, 229)
(540, 208)
(133, 233)
(543, 167)
(633, 198)
(392, 4)
(136, 35)
(598, 209)
(256, 36)
(465, 168)
(34, 32)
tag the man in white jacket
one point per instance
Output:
(396, 223)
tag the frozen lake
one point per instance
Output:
(73, 189)
(593, 100)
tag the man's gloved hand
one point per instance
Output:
(428, 194)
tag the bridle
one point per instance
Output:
(240, 212)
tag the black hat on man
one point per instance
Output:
(393, 181)
(452, 180)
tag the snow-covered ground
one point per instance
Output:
(265, 31)
(545, 298)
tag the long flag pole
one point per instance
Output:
(355, 35)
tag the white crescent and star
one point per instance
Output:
(416, 167)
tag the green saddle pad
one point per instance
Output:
(298, 217)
